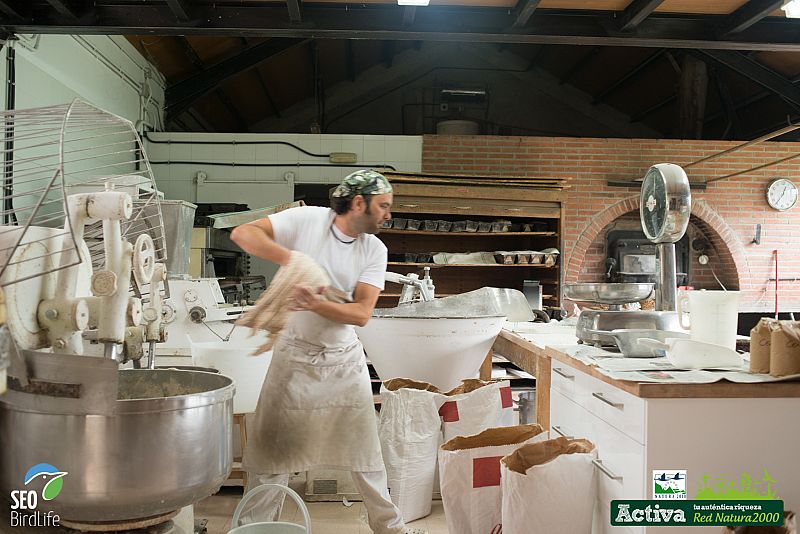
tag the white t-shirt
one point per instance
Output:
(310, 230)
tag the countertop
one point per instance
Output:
(533, 351)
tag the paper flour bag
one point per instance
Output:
(409, 432)
(469, 475)
(476, 405)
(549, 487)
(761, 343)
(785, 349)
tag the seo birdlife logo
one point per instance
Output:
(43, 482)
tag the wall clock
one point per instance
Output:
(781, 194)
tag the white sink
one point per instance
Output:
(440, 351)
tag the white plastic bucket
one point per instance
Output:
(234, 359)
(713, 316)
(272, 527)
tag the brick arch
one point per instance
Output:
(722, 237)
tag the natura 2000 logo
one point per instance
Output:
(43, 482)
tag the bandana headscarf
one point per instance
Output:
(363, 182)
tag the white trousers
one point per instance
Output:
(383, 516)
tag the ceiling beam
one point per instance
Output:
(636, 12)
(263, 83)
(237, 116)
(652, 109)
(524, 11)
(10, 10)
(728, 105)
(749, 101)
(191, 53)
(408, 15)
(180, 8)
(388, 52)
(747, 15)
(64, 9)
(349, 60)
(580, 64)
(294, 11)
(633, 73)
(180, 96)
(755, 71)
(437, 23)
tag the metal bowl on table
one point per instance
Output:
(608, 293)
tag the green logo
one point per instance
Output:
(52, 477)
(723, 488)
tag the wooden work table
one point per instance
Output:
(535, 359)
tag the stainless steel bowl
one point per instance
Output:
(168, 445)
(608, 293)
(594, 327)
(628, 340)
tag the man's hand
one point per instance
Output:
(306, 299)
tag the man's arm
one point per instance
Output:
(257, 238)
(356, 313)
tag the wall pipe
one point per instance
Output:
(8, 171)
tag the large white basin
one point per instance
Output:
(234, 359)
(441, 351)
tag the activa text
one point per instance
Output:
(654, 514)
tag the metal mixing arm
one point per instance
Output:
(415, 288)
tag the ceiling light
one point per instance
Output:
(792, 9)
(415, 2)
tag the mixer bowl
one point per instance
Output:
(168, 445)
(440, 351)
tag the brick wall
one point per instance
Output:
(726, 213)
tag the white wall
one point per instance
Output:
(106, 71)
(259, 187)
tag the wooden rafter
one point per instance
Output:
(636, 12)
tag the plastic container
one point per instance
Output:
(234, 359)
(271, 527)
(713, 316)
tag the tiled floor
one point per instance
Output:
(326, 517)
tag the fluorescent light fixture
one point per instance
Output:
(792, 9)
(413, 2)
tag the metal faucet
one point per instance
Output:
(415, 288)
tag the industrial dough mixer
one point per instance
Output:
(82, 256)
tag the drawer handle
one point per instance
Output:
(561, 432)
(599, 464)
(600, 396)
(463, 207)
(513, 209)
(409, 205)
(558, 371)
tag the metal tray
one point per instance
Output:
(622, 293)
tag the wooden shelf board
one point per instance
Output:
(466, 234)
(439, 265)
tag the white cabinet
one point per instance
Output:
(706, 436)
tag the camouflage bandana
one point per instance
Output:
(363, 182)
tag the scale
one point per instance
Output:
(664, 209)
(666, 204)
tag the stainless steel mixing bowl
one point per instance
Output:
(621, 293)
(168, 445)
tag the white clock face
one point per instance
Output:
(782, 194)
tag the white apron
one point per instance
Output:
(315, 411)
(316, 407)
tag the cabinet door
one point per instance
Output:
(620, 459)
